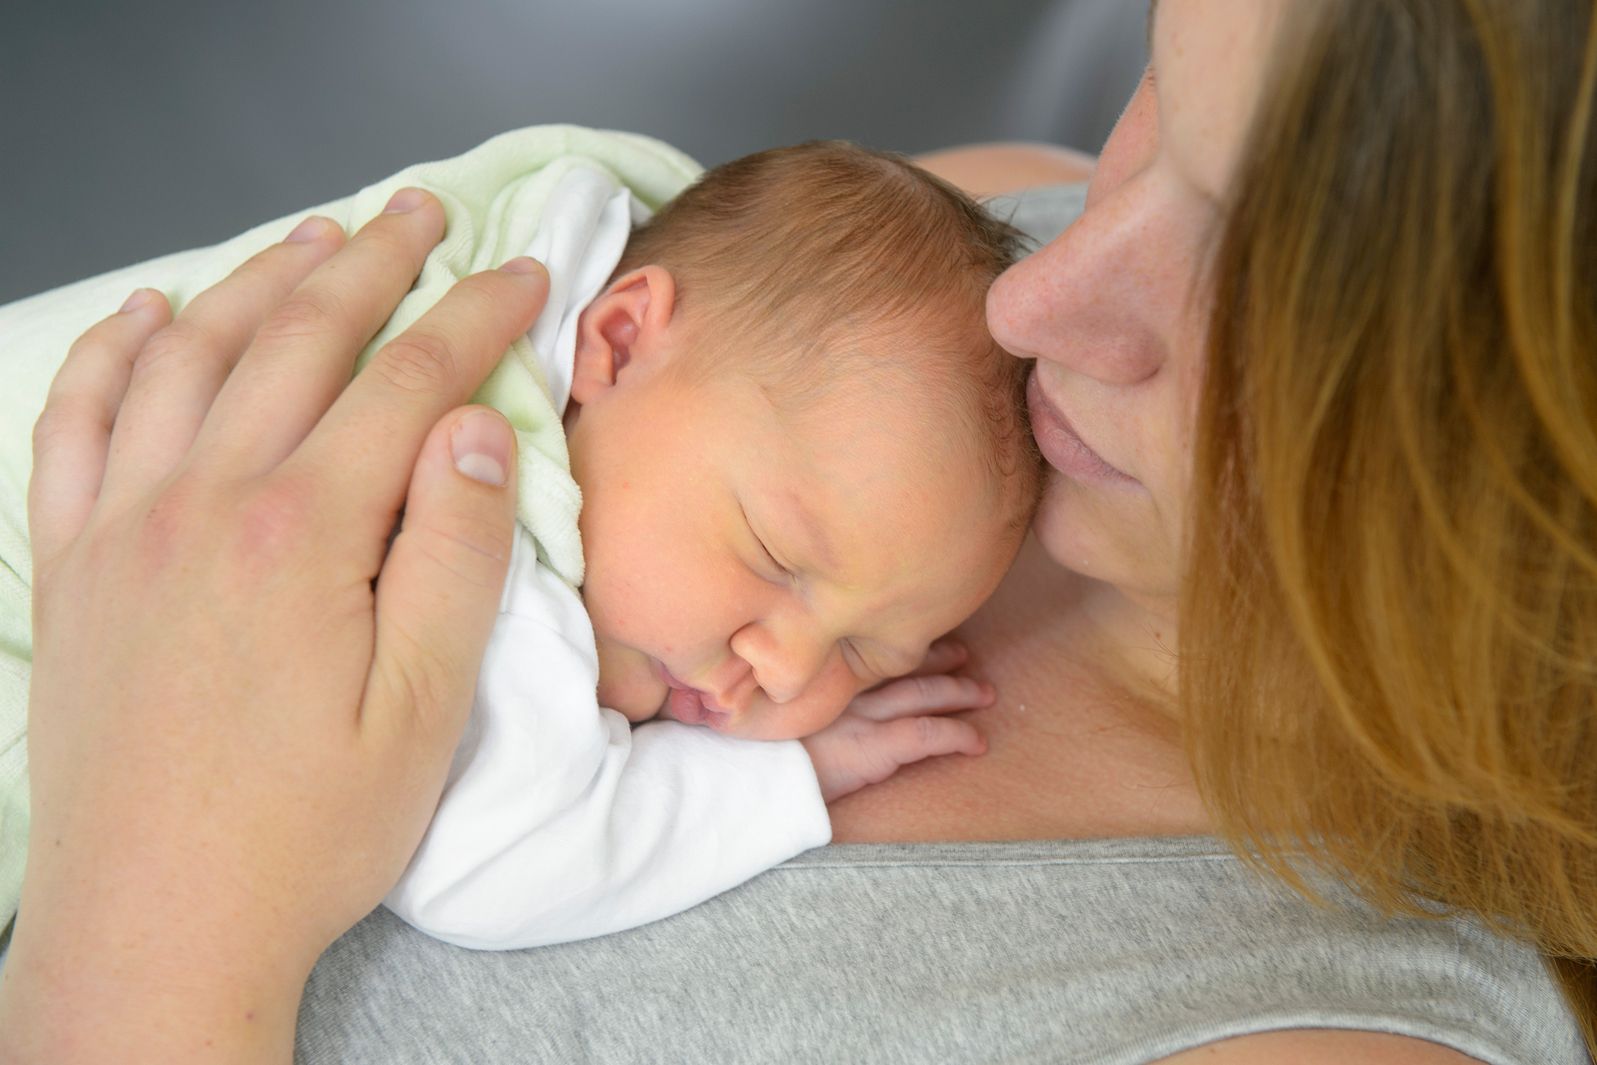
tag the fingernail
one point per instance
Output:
(405, 200)
(307, 231)
(480, 443)
(523, 265)
(142, 297)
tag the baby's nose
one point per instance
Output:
(733, 688)
(786, 678)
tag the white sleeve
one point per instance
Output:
(561, 822)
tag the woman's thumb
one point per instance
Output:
(440, 588)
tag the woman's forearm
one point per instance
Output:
(94, 984)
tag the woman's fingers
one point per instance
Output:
(73, 433)
(441, 584)
(301, 357)
(181, 368)
(433, 366)
(941, 694)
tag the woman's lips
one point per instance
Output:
(1064, 449)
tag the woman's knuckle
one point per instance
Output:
(417, 679)
(479, 296)
(308, 312)
(170, 527)
(474, 552)
(391, 240)
(60, 418)
(273, 523)
(418, 361)
(92, 341)
(262, 267)
(175, 345)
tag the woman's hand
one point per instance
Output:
(899, 722)
(236, 738)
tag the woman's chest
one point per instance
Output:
(1067, 757)
(1034, 783)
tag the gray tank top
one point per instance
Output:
(1106, 951)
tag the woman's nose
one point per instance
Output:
(1088, 301)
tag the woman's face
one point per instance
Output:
(1114, 310)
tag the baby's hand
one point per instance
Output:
(897, 723)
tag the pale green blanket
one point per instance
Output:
(492, 195)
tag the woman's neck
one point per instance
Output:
(1134, 636)
(1082, 742)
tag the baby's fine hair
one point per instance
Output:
(827, 265)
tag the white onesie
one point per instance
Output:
(559, 820)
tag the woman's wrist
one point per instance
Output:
(88, 979)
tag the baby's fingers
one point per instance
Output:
(855, 754)
(944, 656)
(939, 694)
(895, 744)
(914, 739)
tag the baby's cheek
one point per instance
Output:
(626, 684)
(822, 703)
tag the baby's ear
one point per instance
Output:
(627, 324)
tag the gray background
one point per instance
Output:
(132, 130)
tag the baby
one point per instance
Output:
(797, 456)
(802, 459)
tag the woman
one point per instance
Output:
(1314, 377)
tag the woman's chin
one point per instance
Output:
(1083, 536)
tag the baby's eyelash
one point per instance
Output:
(772, 558)
(860, 667)
(786, 573)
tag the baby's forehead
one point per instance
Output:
(836, 374)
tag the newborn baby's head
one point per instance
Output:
(802, 456)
